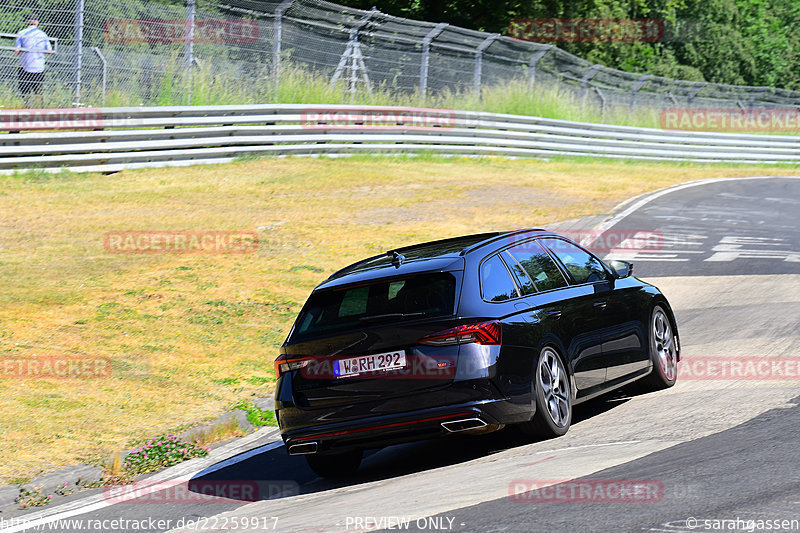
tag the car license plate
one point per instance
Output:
(378, 362)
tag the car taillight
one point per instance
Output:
(286, 363)
(481, 333)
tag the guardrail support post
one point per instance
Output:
(426, 52)
(277, 36)
(78, 62)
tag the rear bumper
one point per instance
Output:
(385, 430)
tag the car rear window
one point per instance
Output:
(350, 308)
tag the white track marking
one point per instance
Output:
(619, 443)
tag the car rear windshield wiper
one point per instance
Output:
(390, 315)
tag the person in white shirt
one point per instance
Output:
(31, 46)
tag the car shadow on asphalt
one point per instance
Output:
(278, 475)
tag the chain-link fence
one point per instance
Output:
(157, 52)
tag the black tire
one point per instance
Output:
(335, 465)
(663, 352)
(553, 404)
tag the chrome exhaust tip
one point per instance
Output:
(305, 448)
(464, 424)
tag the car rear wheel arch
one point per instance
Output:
(657, 379)
(660, 301)
(542, 423)
(553, 341)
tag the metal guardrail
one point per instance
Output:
(12, 37)
(120, 138)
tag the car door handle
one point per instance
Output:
(600, 305)
(554, 314)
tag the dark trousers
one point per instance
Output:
(30, 82)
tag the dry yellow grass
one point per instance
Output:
(188, 335)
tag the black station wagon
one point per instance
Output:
(465, 335)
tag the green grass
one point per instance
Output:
(218, 86)
(256, 415)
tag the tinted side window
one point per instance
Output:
(539, 266)
(584, 267)
(524, 282)
(496, 283)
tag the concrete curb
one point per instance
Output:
(583, 223)
(71, 474)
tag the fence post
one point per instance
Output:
(694, 91)
(188, 47)
(78, 61)
(100, 55)
(277, 36)
(426, 52)
(539, 54)
(756, 94)
(672, 99)
(636, 87)
(586, 78)
(476, 80)
(602, 104)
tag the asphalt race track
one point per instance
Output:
(717, 452)
(717, 228)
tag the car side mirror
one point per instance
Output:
(621, 269)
